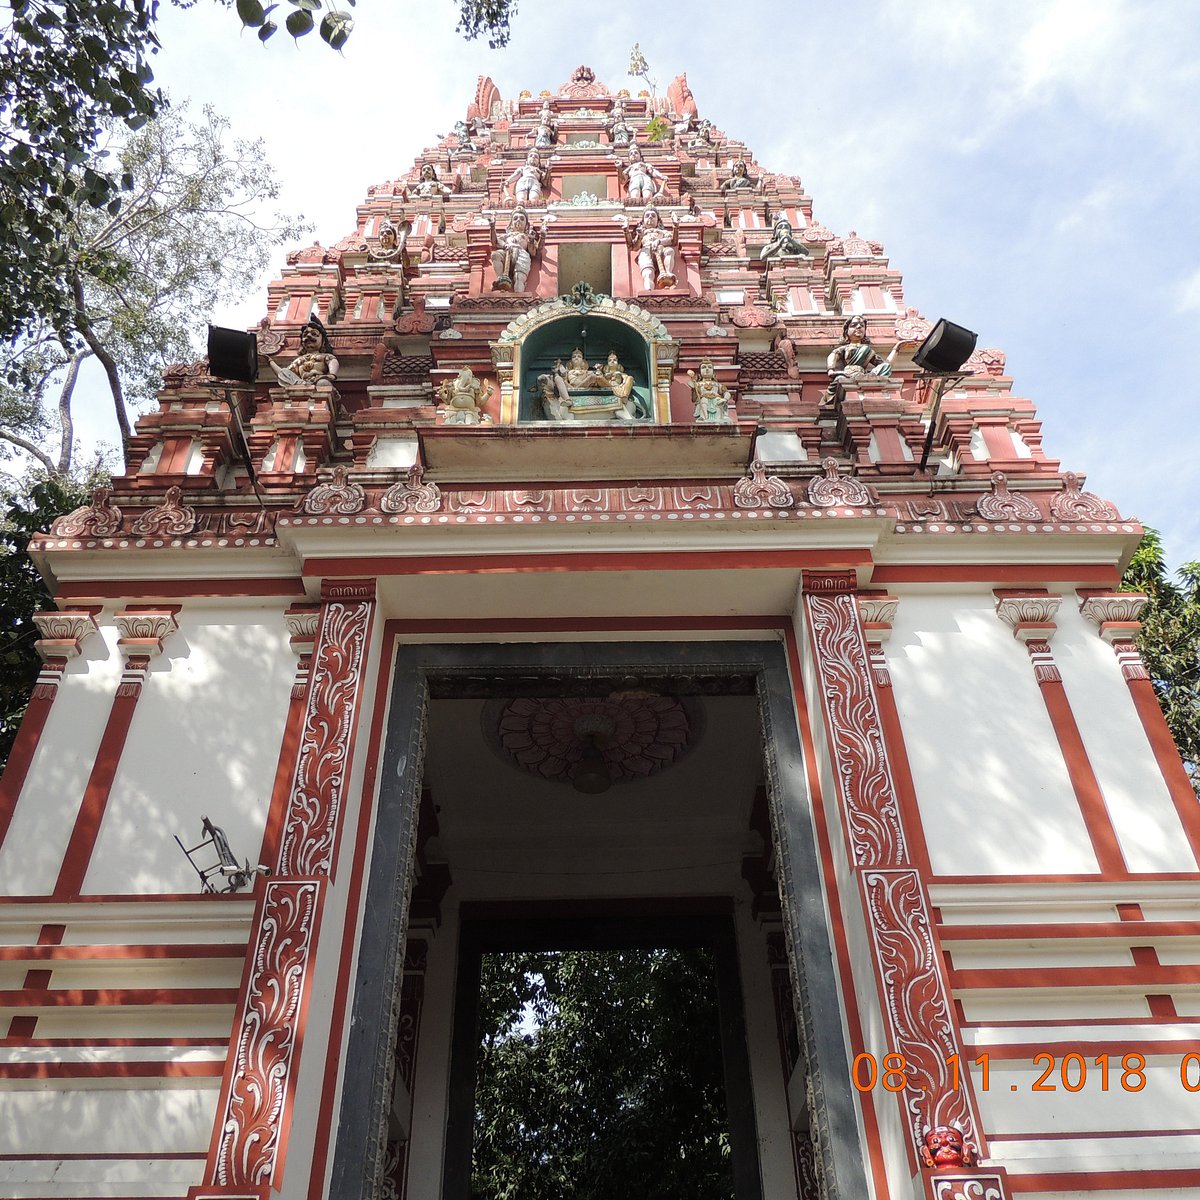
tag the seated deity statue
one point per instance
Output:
(529, 180)
(463, 399)
(547, 129)
(620, 383)
(620, 132)
(654, 246)
(783, 243)
(466, 144)
(643, 182)
(429, 186)
(710, 397)
(513, 251)
(701, 141)
(315, 365)
(855, 357)
(739, 178)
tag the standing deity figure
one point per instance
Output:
(429, 185)
(855, 357)
(739, 178)
(783, 242)
(315, 365)
(642, 182)
(710, 397)
(513, 251)
(547, 130)
(620, 132)
(463, 399)
(654, 245)
(530, 180)
(466, 144)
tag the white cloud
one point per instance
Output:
(1187, 292)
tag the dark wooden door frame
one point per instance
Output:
(581, 668)
(600, 926)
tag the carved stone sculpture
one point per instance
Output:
(513, 251)
(466, 144)
(711, 398)
(574, 391)
(392, 244)
(654, 245)
(527, 183)
(620, 132)
(429, 186)
(783, 243)
(315, 365)
(855, 357)
(547, 130)
(739, 178)
(463, 399)
(945, 1149)
(642, 181)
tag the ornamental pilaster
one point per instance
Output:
(1030, 614)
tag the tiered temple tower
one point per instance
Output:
(590, 564)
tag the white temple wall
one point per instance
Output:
(204, 741)
(41, 826)
(1148, 828)
(980, 743)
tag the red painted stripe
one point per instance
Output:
(1099, 930)
(1072, 1135)
(112, 1070)
(1166, 754)
(179, 589)
(1075, 977)
(181, 950)
(636, 560)
(1030, 574)
(1078, 1022)
(20, 757)
(95, 798)
(1101, 1181)
(285, 770)
(103, 997)
(1083, 779)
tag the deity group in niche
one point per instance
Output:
(574, 391)
(527, 183)
(654, 247)
(710, 398)
(854, 357)
(315, 365)
(642, 181)
(463, 399)
(513, 251)
(620, 132)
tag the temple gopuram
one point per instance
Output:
(582, 558)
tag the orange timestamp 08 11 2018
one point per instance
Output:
(1069, 1072)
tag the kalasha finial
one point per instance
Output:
(946, 1149)
(583, 75)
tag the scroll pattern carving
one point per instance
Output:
(976, 1187)
(266, 1036)
(412, 494)
(171, 518)
(917, 1001)
(1002, 505)
(335, 496)
(317, 789)
(1074, 504)
(760, 490)
(1123, 607)
(829, 489)
(864, 776)
(101, 518)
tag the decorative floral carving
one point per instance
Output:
(913, 326)
(760, 490)
(639, 734)
(927, 508)
(916, 1001)
(986, 360)
(1123, 607)
(831, 489)
(181, 375)
(325, 743)
(973, 1187)
(412, 494)
(750, 316)
(267, 1030)
(337, 496)
(171, 518)
(101, 518)
(877, 609)
(1003, 505)
(1021, 609)
(63, 633)
(864, 776)
(1074, 504)
(142, 632)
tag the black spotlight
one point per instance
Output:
(946, 348)
(232, 354)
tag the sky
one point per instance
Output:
(1032, 168)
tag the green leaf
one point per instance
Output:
(268, 28)
(306, 5)
(251, 13)
(299, 23)
(335, 28)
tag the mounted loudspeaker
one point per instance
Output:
(232, 354)
(946, 348)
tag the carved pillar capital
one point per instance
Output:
(63, 633)
(302, 623)
(1030, 612)
(878, 611)
(143, 630)
(1117, 617)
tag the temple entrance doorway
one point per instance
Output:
(601, 798)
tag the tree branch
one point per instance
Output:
(106, 360)
(29, 447)
(65, 420)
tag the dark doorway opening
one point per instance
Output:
(600, 1057)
